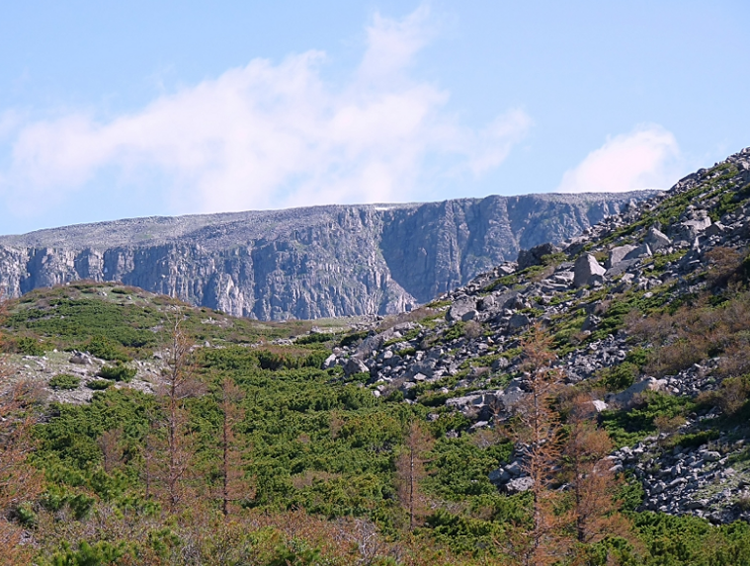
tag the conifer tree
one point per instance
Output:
(410, 470)
(170, 452)
(536, 433)
(593, 485)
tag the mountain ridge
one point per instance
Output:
(332, 260)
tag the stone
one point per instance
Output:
(355, 365)
(657, 240)
(330, 361)
(587, 271)
(639, 252)
(519, 485)
(599, 405)
(499, 476)
(459, 308)
(518, 321)
(616, 255)
(630, 397)
(469, 315)
(80, 358)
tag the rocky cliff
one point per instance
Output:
(304, 263)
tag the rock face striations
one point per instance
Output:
(304, 263)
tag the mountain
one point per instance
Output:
(648, 312)
(304, 263)
(400, 439)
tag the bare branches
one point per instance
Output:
(410, 471)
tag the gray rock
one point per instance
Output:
(587, 271)
(657, 240)
(518, 321)
(519, 485)
(355, 365)
(81, 358)
(630, 397)
(499, 476)
(616, 255)
(639, 252)
(459, 309)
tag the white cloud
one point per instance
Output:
(268, 135)
(645, 158)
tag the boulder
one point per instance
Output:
(80, 358)
(587, 271)
(656, 240)
(616, 255)
(631, 396)
(518, 321)
(519, 485)
(639, 252)
(354, 365)
(460, 308)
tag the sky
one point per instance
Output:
(113, 109)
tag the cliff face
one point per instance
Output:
(304, 263)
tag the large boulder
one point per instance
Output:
(587, 271)
(657, 240)
(463, 309)
(616, 255)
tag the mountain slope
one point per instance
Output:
(648, 313)
(303, 263)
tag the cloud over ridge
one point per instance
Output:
(645, 158)
(270, 135)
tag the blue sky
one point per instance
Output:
(112, 109)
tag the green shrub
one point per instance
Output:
(29, 346)
(106, 349)
(117, 372)
(98, 384)
(619, 377)
(65, 381)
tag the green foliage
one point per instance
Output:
(29, 346)
(455, 331)
(459, 468)
(315, 338)
(98, 384)
(353, 338)
(106, 348)
(617, 378)
(65, 381)
(626, 427)
(100, 554)
(117, 372)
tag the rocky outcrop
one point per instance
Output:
(303, 263)
(463, 352)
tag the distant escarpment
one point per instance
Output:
(304, 263)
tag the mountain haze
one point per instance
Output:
(304, 263)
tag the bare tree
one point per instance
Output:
(410, 470)
(536, 433)
(595, 509)
(174, 447)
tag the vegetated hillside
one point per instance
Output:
(303, 263)
(588, 405)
